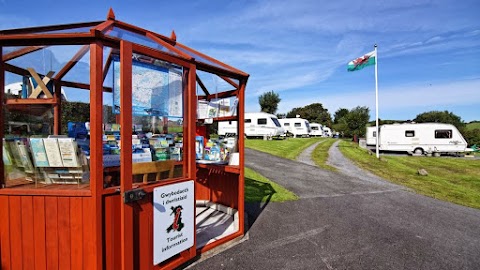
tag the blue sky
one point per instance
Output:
(428, 51)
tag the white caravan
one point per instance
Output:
(371, 136)
(16, 89)
(296, 126)
(422, 138)
(316, 130)
(327, 132)
(256, 125)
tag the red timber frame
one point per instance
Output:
(91, 228)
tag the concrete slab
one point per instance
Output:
(214, 222)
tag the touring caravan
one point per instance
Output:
(371, 136)
(256, 125)
(316, 130)
(327, 132)
(421, 138)
(296, 126)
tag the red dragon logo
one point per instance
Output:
(177, 224)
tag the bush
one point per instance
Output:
(472, 136)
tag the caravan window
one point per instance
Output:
(275, 121)
(443, 134)
(410, 133)
(314, 128)
(262, 121)
(248, 120)
(298, 124)
(286, 124)
(374, 134)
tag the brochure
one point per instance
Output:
(53, 152)
(68, 152)
(39, 153)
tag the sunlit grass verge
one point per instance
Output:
(260, 189)
(455, 180)
(288, 148)
(320, 154)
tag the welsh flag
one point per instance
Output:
(363, 61)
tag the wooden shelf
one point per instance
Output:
(30, 101)
(220, 119)
(31, 106)
(225, 168)
(30, 188)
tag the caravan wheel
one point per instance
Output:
(418, 151)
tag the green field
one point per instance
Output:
(455, 180)
(473, 125)
(260, 189)
(288, 148)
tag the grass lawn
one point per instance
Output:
(260, 189)
(320, 154)
(474, 125)
(289, 148)
(455, 180)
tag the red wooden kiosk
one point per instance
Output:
(75, 210)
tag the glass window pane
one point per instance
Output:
(199, 58)
(35, 157)
(137, 38)
(262, 121)
(443, 134)
(157, 118)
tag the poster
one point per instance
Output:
(175, 101)
(173, 220)
(156, 89)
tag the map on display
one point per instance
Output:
(156, 90)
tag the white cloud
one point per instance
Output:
(464, 92)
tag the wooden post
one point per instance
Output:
(57, 109)
(2, 122)
(126, 152)
(191, 118)
(96, 153)
(241, 147)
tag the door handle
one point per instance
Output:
(133, 195)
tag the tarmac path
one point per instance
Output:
(349, 220)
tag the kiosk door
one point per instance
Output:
(162, 224)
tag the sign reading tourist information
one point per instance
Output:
(173, 220)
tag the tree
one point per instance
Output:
(472, 136)
(339, 114)
(441, 117)
(352, 122)
(269, 102)
(314, 113)
(357, 120)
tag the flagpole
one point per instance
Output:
(376, 102)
